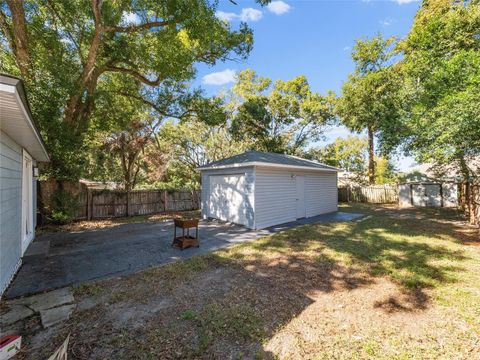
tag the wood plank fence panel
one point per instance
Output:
(114, 203)
(376, 194)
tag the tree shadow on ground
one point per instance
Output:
(227, 304)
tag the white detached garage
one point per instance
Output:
(259, 189)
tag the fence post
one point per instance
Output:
(89, 204)
(165, 207)
(128, 203)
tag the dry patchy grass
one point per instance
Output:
(401, 284)
(113, 222)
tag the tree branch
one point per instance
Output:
(136, 28)
(136, 75)
(51, 5)
(6, 29)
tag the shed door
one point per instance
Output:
(418, 195)
(301, 208)
(227, 198)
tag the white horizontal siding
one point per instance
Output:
(276, 194)
(275, 197)
(321, 193)
(10, 208)
(248, 188)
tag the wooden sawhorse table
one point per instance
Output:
(185, 241)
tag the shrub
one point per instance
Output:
(64, 207)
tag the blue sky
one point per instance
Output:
(309, 37)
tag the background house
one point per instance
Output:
(21, 146)
(259, 189)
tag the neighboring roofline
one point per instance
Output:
(267, 164)
(20, 94)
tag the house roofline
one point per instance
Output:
(273, 165)
(20, 94)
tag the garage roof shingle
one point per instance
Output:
(256, 157)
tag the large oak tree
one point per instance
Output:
(75, 54)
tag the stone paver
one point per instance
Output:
(79, 257)
(15, 313)
(46, 300)
(56, 315)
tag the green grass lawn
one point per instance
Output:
(399, 284)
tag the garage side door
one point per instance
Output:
(227, 198)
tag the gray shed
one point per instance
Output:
(21, 146)
(258, 189)
(428, 194)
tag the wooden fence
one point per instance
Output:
(113, 203)
(100, 204)
(375, 194)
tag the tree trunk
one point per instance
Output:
(76, 109)
(20, 41)
(371, 156)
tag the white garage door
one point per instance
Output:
(227, 198)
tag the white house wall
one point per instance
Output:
(275, 195)
(249, 186)
(10, 208)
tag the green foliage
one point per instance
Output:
(385, 171)
(349, 154)
(193, 144)
(82, 59)
(64, 206)
(441, 83)
(283, 117)
(370, 97)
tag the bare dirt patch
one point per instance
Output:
(385, 287)
(113, 222)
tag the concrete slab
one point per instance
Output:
(56, 315)
(46, 300)
(37, 249)
(14, 314)
(79, 257)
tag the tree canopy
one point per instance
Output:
(370, 97)
(75, 56)
(441, 85)
(351, 154)
(280, 116)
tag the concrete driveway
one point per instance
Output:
(75, 257)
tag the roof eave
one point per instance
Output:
(273, 165)
(9, 83)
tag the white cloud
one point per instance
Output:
(247, 15)
(401, 2)
(250, 14)
(278, 7)
(346, 48)
(226, 16)
(130, 18)
(219, 78)
(387, 21)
